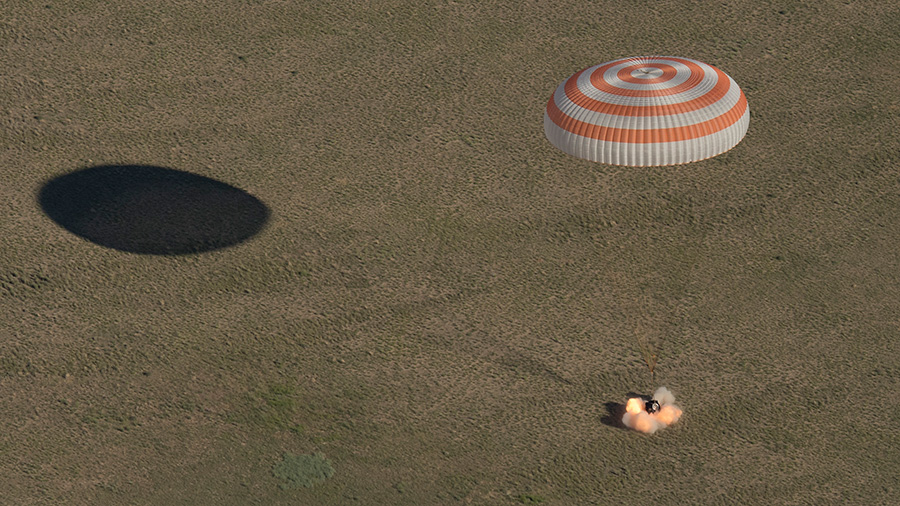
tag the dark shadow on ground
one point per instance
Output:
(615, 410)
(613, 417)
(152, 210)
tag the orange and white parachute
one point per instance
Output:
(647, 110)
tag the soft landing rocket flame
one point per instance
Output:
(653, 415)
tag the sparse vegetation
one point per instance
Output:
(276, 406)
(530, 499)
(303, 470)
(441, 301)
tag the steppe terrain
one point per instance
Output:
(414, 283)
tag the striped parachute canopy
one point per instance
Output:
(647, 110)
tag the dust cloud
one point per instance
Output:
(638, 418)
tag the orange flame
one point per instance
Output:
(669, 414)
(637, 418)
(645, 423)
(635, 405)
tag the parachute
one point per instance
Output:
(647, 111)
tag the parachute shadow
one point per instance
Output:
(152, 210)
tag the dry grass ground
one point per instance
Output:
(442, 303)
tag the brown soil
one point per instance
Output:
(432, 295)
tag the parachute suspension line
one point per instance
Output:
(648, 350)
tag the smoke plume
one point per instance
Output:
(636, 416)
